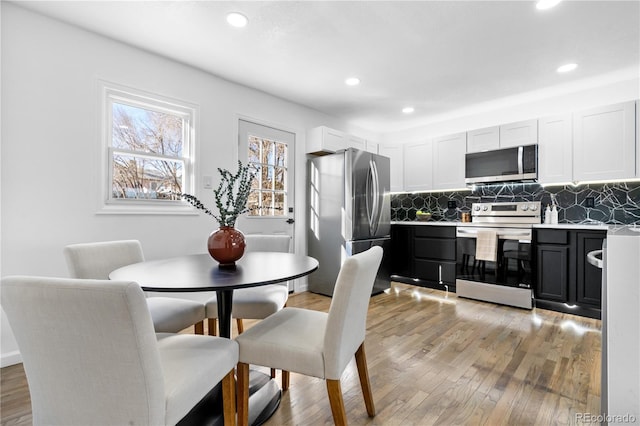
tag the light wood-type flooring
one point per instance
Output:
(435, 359)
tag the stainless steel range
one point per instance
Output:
(494, 253)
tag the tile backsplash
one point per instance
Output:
(614, 203)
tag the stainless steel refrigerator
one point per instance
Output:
(349, 212)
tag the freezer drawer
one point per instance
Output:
(323, 280)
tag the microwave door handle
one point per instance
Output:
(520, 160)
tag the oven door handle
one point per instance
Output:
(474, 233)
(503, 234)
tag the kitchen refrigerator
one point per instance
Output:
(349, 212)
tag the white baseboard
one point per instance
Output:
(10, 358)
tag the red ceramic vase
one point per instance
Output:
(226, 245)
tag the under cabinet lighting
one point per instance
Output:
(590, 182)
(408, 110)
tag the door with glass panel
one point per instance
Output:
(270, 154)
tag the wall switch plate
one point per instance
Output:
(207, 182)
(452, 204)
(589, 202)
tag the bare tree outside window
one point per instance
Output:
(146, 153)
(268, 189)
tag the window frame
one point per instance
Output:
(111, 93)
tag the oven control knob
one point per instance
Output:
(485, 208)
(525, 207)
(533, 207)
(477, 208)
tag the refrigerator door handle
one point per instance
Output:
(373, 202)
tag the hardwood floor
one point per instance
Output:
(437, 359)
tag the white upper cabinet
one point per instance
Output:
(394, 152)
(355, 142)
(638, 139)
(555, 142)
(417, 166)
(323, 139)
(371, 146)
(519, 134)
(448, 161)
(504, 136)
(485, 139)
(604, 143)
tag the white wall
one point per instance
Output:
(51, 142)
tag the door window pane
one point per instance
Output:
(268, 190)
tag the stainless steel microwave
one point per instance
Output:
(516, 164)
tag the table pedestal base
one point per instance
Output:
(264, 399)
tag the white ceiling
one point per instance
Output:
(438, 56)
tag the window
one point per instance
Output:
(268, 159)
(148, 145)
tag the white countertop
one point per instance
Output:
(593, 226)
(427, 222)
(570, 226)
(624, 230)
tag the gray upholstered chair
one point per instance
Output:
(97, 260)
(91, 355)
(255, 302)
(316, 343)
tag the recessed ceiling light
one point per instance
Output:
(352, 81)
(236, 19)
(546, 4)
(408, 110)
(567, 68)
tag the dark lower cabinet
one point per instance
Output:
(589, 278)
(553, 272)
(565, 281)
(426, 256)
(401, 250)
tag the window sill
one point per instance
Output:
(141, 209)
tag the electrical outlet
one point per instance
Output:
(452, 204)
(589, 202)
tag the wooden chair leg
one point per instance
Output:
(337, 404)
(240, 325)
(273, 373)
(213, 327)
(361, 362)
(198, 327)
(243, 394)
(285, 380)
(229, 399)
